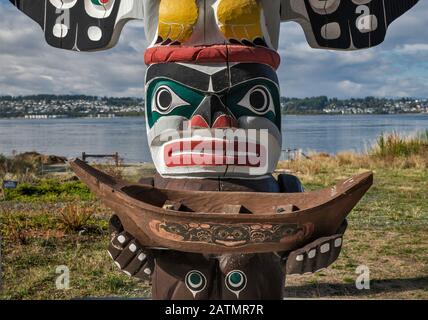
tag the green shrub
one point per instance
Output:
(395, 145)
(50, 190)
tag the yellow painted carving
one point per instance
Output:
(177, 19)
(240, 19)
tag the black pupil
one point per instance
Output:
(164, 99)
(258, 100)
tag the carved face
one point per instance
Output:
(213, 120)
(231, 236)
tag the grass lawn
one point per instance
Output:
(388, 232)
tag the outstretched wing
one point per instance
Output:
(344, 24)
(81, 25)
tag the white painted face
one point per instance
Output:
(213, 120)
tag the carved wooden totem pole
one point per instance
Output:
(214, 223)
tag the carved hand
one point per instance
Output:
(317, 255)
(127, 253)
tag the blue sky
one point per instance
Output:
(397, 68)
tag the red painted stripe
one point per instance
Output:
(212, 54)
(212, 158)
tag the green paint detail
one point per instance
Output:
(235, 278)
(237, 93)
(195, 279)
(97, 2)
(231, 99)
(192, 97)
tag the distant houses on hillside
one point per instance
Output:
(55, 107)
(368, 105)
(49, 106)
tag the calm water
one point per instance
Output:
(69, 137)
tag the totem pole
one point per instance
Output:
(211, 79)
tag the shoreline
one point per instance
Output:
(283, 114)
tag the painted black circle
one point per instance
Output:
(163, 99)
(259, 99)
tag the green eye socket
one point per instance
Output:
(258, 97)
(165, 100)
(166, 97)
(259, 100)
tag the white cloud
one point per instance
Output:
(349, 87)
(413, 48)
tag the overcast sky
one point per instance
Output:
(398, 67)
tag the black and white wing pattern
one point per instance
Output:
(344, 24)
(81, 25)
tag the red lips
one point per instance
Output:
(211, 152)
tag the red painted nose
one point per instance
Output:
(222, 122)
(198, 121)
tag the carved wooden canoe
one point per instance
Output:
(225, 222)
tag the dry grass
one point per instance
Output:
(35, 242)
(390, 151)
(17, 169)
(111, 169)
(25, 167)
(75, 217)
(396, 145)
(319, 163)
(397, 262)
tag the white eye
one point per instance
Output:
(166, 100)
(99, 9)
(258, 100)
(63, 4)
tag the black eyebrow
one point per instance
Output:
(242, 72)
(222, 80)
(188, 76)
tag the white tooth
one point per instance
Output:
(338, 242)
(312, 254)
(325, 248)
(121, 239)
(147, 271)
(117, 264)
(141, 257)
(132, 248)
(299, 257)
